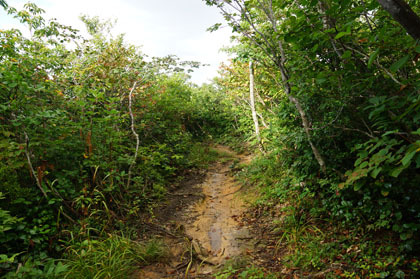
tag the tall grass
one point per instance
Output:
(113, 257)
(201, 156)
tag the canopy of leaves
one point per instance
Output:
(355, 73)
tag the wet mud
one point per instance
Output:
(213, 232)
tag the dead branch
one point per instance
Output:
(28, 157)
(130, 96)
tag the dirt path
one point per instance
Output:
(209, 223)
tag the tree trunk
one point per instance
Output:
(274, 50)
(134, 133)
(305, 123)
(306, 128)
(405, 16)
(252, 104)
(3, 4)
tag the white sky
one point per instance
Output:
(161, 27)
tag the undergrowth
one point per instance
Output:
(242, 269)
(311, 240)
(113, 257)
(202, 155)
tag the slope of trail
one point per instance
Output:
(210, 223)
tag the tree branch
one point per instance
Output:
(28, 157)
(405, 16)
(376, 63)
(134, 132)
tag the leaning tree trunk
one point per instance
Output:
(405, 16)
(3, 4)
(304, 119)
(273, 48)
(252, 104)
(281, 64)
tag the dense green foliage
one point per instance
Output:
(353, 73)
(70, 167)
(92, 132)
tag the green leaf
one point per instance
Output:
(384, 193)
(357, 186)
(418, 49)
(341, 34)
(397, 65)
(363, 154)
(373, 57)
(364, 164)
(375, 172)
(346, 54)
(407, 158)
(396, 228)
(383, 151)
(358, 161)
(418, 162)
(60, 268)
(396, 172)
(405, 236)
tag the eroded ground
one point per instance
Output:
(202, 224)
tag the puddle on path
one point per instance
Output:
(212, 223)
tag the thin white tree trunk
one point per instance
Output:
(252, 104)
(274, 50)
(130, 96)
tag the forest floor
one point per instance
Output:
(204, 223)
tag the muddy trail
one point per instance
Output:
(201, 223)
